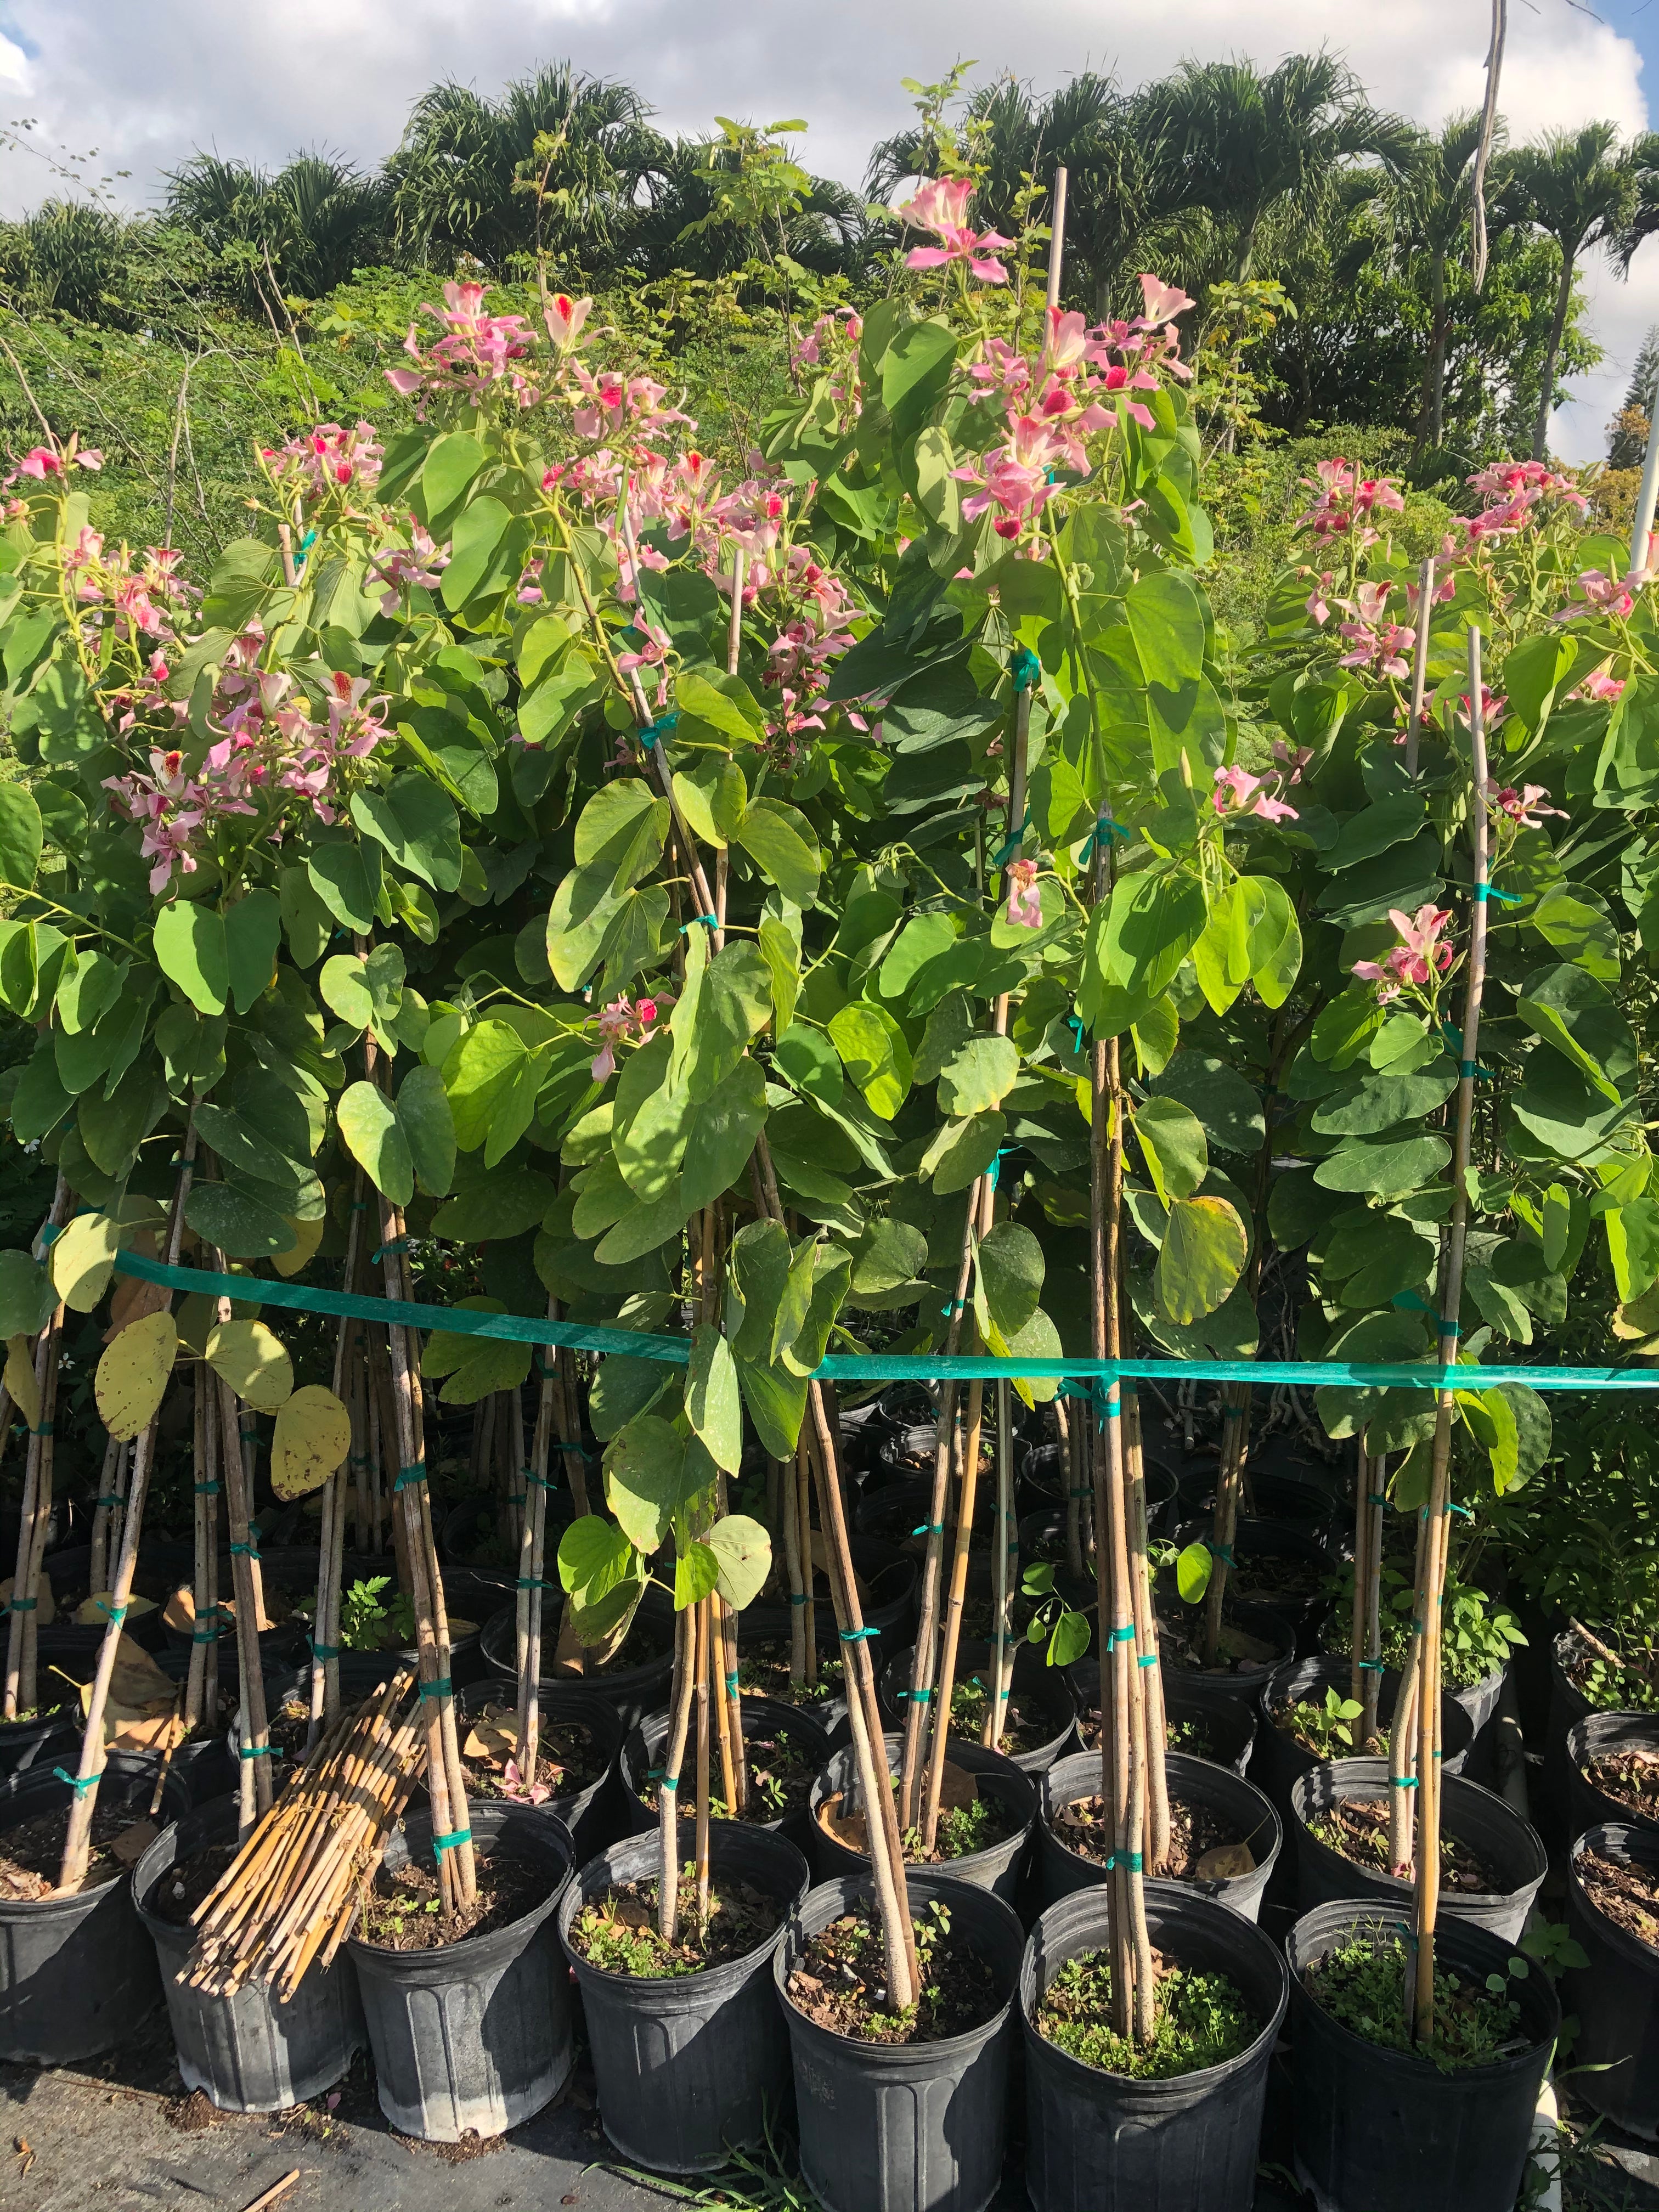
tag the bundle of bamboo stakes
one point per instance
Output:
(289, 1897)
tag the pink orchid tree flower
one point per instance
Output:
(1025, 899)
(1524, 808)
(941, 206)
(1237, 792)
(1419, 959)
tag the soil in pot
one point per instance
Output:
(1361, 1985)
(1199, 2020)
(1192, 1733)
(617, 1933)
(1203, 1847)
(1630, 1776)
(568, 1758)
(403, 1910)
(1357, 1827)
(968, 1822)
(763, 1672)
(781, 1776)
(1027, 1727)
(1631, 1687)
(188, 1881)
(839, 1981)
(1323, 1734)
(1627, 1893)
(32, 1852)
(1180, 1643)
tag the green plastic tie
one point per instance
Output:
(44, 1429)
(260, 1751)
(1012, 842)
(1147, 1659)
(409, 1474)
(1482, 892)
(441, 1688)
(1222, 1552)
(670, 1782)
(663, 727)
(732, 1684)
(914, 1697)
(1408, 1783)
(798, 1597)
(245, 1550)
(928, 1528)
(1025, 668)
(118, 1613)
(325, 1651)
(21, 1604)
(1375, 1498)
(857, 1635)
(712, 921)
(1452, 1506)
(1373, 1665)
(1123, 1636)
(394, 1245)
(453, 1841)
(80, 1783)
(534, 1582)
(109, 1501)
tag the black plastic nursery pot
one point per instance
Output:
(591, 1814)
(1241, 1683)
(764, 1721)
(1384, 2130)
(908, 2127)
(635, 1685)
(1507, 1846)
(1601, 1736)
(1095, 2142)
(250, 2052)
(1267, 1550)
(1194, 1782)
(689, 2067)
(474, 2036)
(72, 1644)
(210, 1764)
(1219, 1730)
(1616, 1995)
(1296, 1500)
(997, 1868)
(897, 1512)
(1041, 1697)
(40, 1742)
(77, 1974)
(1280, 1757)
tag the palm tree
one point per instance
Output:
(72, 256)
(1429, 205)
(553, 165)
(1581, 188)
(672, 230)
(1242, 144)
(303, 231)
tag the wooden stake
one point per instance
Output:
(1431, 1582)
(77, 1837)
(34, 1521)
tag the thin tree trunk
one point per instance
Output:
(1540, 432)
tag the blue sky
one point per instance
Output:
(145, 86)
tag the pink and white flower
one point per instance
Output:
(1420, 954)
(1025, 899)
(941, 206)
(1238, 792)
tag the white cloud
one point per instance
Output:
(146, 86)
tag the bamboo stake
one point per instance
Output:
(701, 1619)
(790, 1486)
(1002, 1645)
(237, 1436)
(446, 1783)
(1432, 1586)
(330, 1533)
(41, 1440)
(668, 1883)
(940, 1717)
(78, 1834)
(98, 1570)
(550, 1408)
(204, 1521)
(808, 1608)
(1149, 1669)
(1419, 661)
(26, 1579)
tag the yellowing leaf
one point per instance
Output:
(133, 1375)
(313, 1436)
(254, 1361)
(307, 1235)
(82, 1259)
(19, 1381)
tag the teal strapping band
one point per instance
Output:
(245, 1550)
(1481, 892)
(731, 1685)
(663, 727)
(116, 1613)
(929, 1528)
(1104, 833)
(1012, 842)
(884, 1367)
(1025, 668)
(1147, 1659)
(453, 1841)
(44, 1429)
(1375, 1498)
(1133, 1861)
(534, 1582)
(393, 1245)
(712, 920)
(1373, 1665)
(669, 1781)
(914, 1697)
(260, 1751)
(1123, 1636)
(109, 1501)
(21, 1604)
(1222, 1552)
(408, 1474)
(1452, 1506)
(857, 1635)
(1409, 1782)
(325, 1651)
(441, 1688)
(995, 1167)
(80, 1783)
